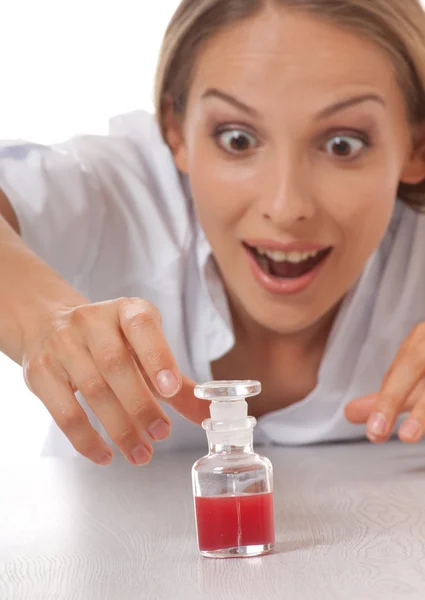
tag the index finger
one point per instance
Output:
(141, 325)
(192, 408)
(184, 402)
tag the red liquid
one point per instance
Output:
(232, 521)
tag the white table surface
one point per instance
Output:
(350, 523)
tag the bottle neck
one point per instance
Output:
(219, 443)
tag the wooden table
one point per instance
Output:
(350, 524)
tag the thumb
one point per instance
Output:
(359, 410)
(185, 403)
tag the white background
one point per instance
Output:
(66, 67)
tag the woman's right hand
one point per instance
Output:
(115, 353)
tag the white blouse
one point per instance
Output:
(114, 217)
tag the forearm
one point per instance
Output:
(29, 291)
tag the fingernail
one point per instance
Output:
(159, 430)
(104, 459)
(168, 383)
(377, 424)
(141, 455)
(411, 429)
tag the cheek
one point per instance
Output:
(360, 202)
(222, 191)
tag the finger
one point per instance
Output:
(192, 408)
(57, 396)
(399, 383)
(120, 372)
(415, 395)
(141, 325)
(120, 427)
(358, 411)
(413, 428)
(185, 402)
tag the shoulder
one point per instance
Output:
(136, 170)
(137, 139)
(134, 145)
(149, 226)
(138, 125)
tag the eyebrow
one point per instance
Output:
(343, 104)
(323, 114)
(214, 93)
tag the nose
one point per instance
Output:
(287, 196)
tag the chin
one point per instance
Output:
(282, 323)
(289, 320)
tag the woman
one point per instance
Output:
(253, 232)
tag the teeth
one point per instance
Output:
(292, 257)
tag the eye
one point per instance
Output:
(345, 146)
(235, 141)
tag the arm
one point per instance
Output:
(29, 287)
(64, 342)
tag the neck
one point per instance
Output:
(300, 343)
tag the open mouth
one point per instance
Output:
(287, 265)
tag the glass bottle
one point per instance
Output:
(232, 485)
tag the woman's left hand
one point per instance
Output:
(403, 390)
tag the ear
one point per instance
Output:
(414, 169)
(174, 134)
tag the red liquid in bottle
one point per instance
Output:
(232, 521)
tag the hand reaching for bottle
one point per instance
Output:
(403, 390)
(115, 353)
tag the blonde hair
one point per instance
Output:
(397, 26)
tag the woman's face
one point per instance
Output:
(295, 140)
